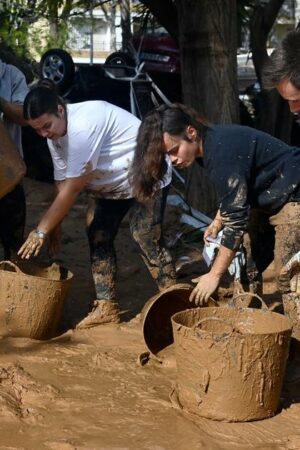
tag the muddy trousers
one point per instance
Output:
(271, 237)
(12, 221)
(103, 221)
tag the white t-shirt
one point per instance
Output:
(100, 141)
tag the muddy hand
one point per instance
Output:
(295, 284)
(32, 245)
(212, 230)
(207, 284)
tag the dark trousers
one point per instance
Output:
(12, 220)
(103, 221)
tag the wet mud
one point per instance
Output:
(85, 390)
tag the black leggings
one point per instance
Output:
(12, 220)
(103, 221)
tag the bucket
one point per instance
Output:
(12, 166)
(157, 312)
(31, 299)
(230, 362)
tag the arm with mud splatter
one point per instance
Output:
(234, 211)
(68, 192)
(234, 207)
(54, 237)
(214, 228)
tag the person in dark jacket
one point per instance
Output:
(256, 176)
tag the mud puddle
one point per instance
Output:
(85, 390)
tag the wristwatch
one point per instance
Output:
(40, 234)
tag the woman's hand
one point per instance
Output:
(32, 245)
(212, 230)
(207, 284)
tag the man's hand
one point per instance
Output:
(32, 245)
(207, 284)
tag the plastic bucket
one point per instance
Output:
(157, 312)
(31, 300)
(230, 362)
(12, 167)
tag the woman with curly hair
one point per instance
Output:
(256, 176)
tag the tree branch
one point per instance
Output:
(165, 12)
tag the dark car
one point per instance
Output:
(122, 80)
(125, 86)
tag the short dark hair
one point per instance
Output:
(284, 62)
(41, 100)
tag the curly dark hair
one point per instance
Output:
(149, 163)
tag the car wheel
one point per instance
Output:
(57, 65)
(120, 58)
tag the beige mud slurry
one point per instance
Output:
(85, 391)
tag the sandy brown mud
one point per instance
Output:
(85, 390)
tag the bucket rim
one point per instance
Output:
(151, 328)
(21, 273)
(288, 328)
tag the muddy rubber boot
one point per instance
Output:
(103, 311)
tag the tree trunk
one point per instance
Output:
(112, 23)
(125, 23)
(273, 114)
(53, 20)
(208, 44)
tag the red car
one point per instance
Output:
(159, 52)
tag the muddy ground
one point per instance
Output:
(85, 389)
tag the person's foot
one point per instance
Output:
(103, 311)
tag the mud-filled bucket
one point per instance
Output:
(31, 299)
(157, 312)
(230, 362)
(12, 167)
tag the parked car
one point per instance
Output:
(158, 51)
(126, 86)
(121, 81)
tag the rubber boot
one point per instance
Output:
(103, 312)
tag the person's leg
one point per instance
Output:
(12, 223)
(146, 228)
(259, 248)
(287, 240)
(103, 220)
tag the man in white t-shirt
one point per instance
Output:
(92, 146)
(13, 89)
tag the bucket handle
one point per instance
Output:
(11, 264)
(232, 302)
(219, 319)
